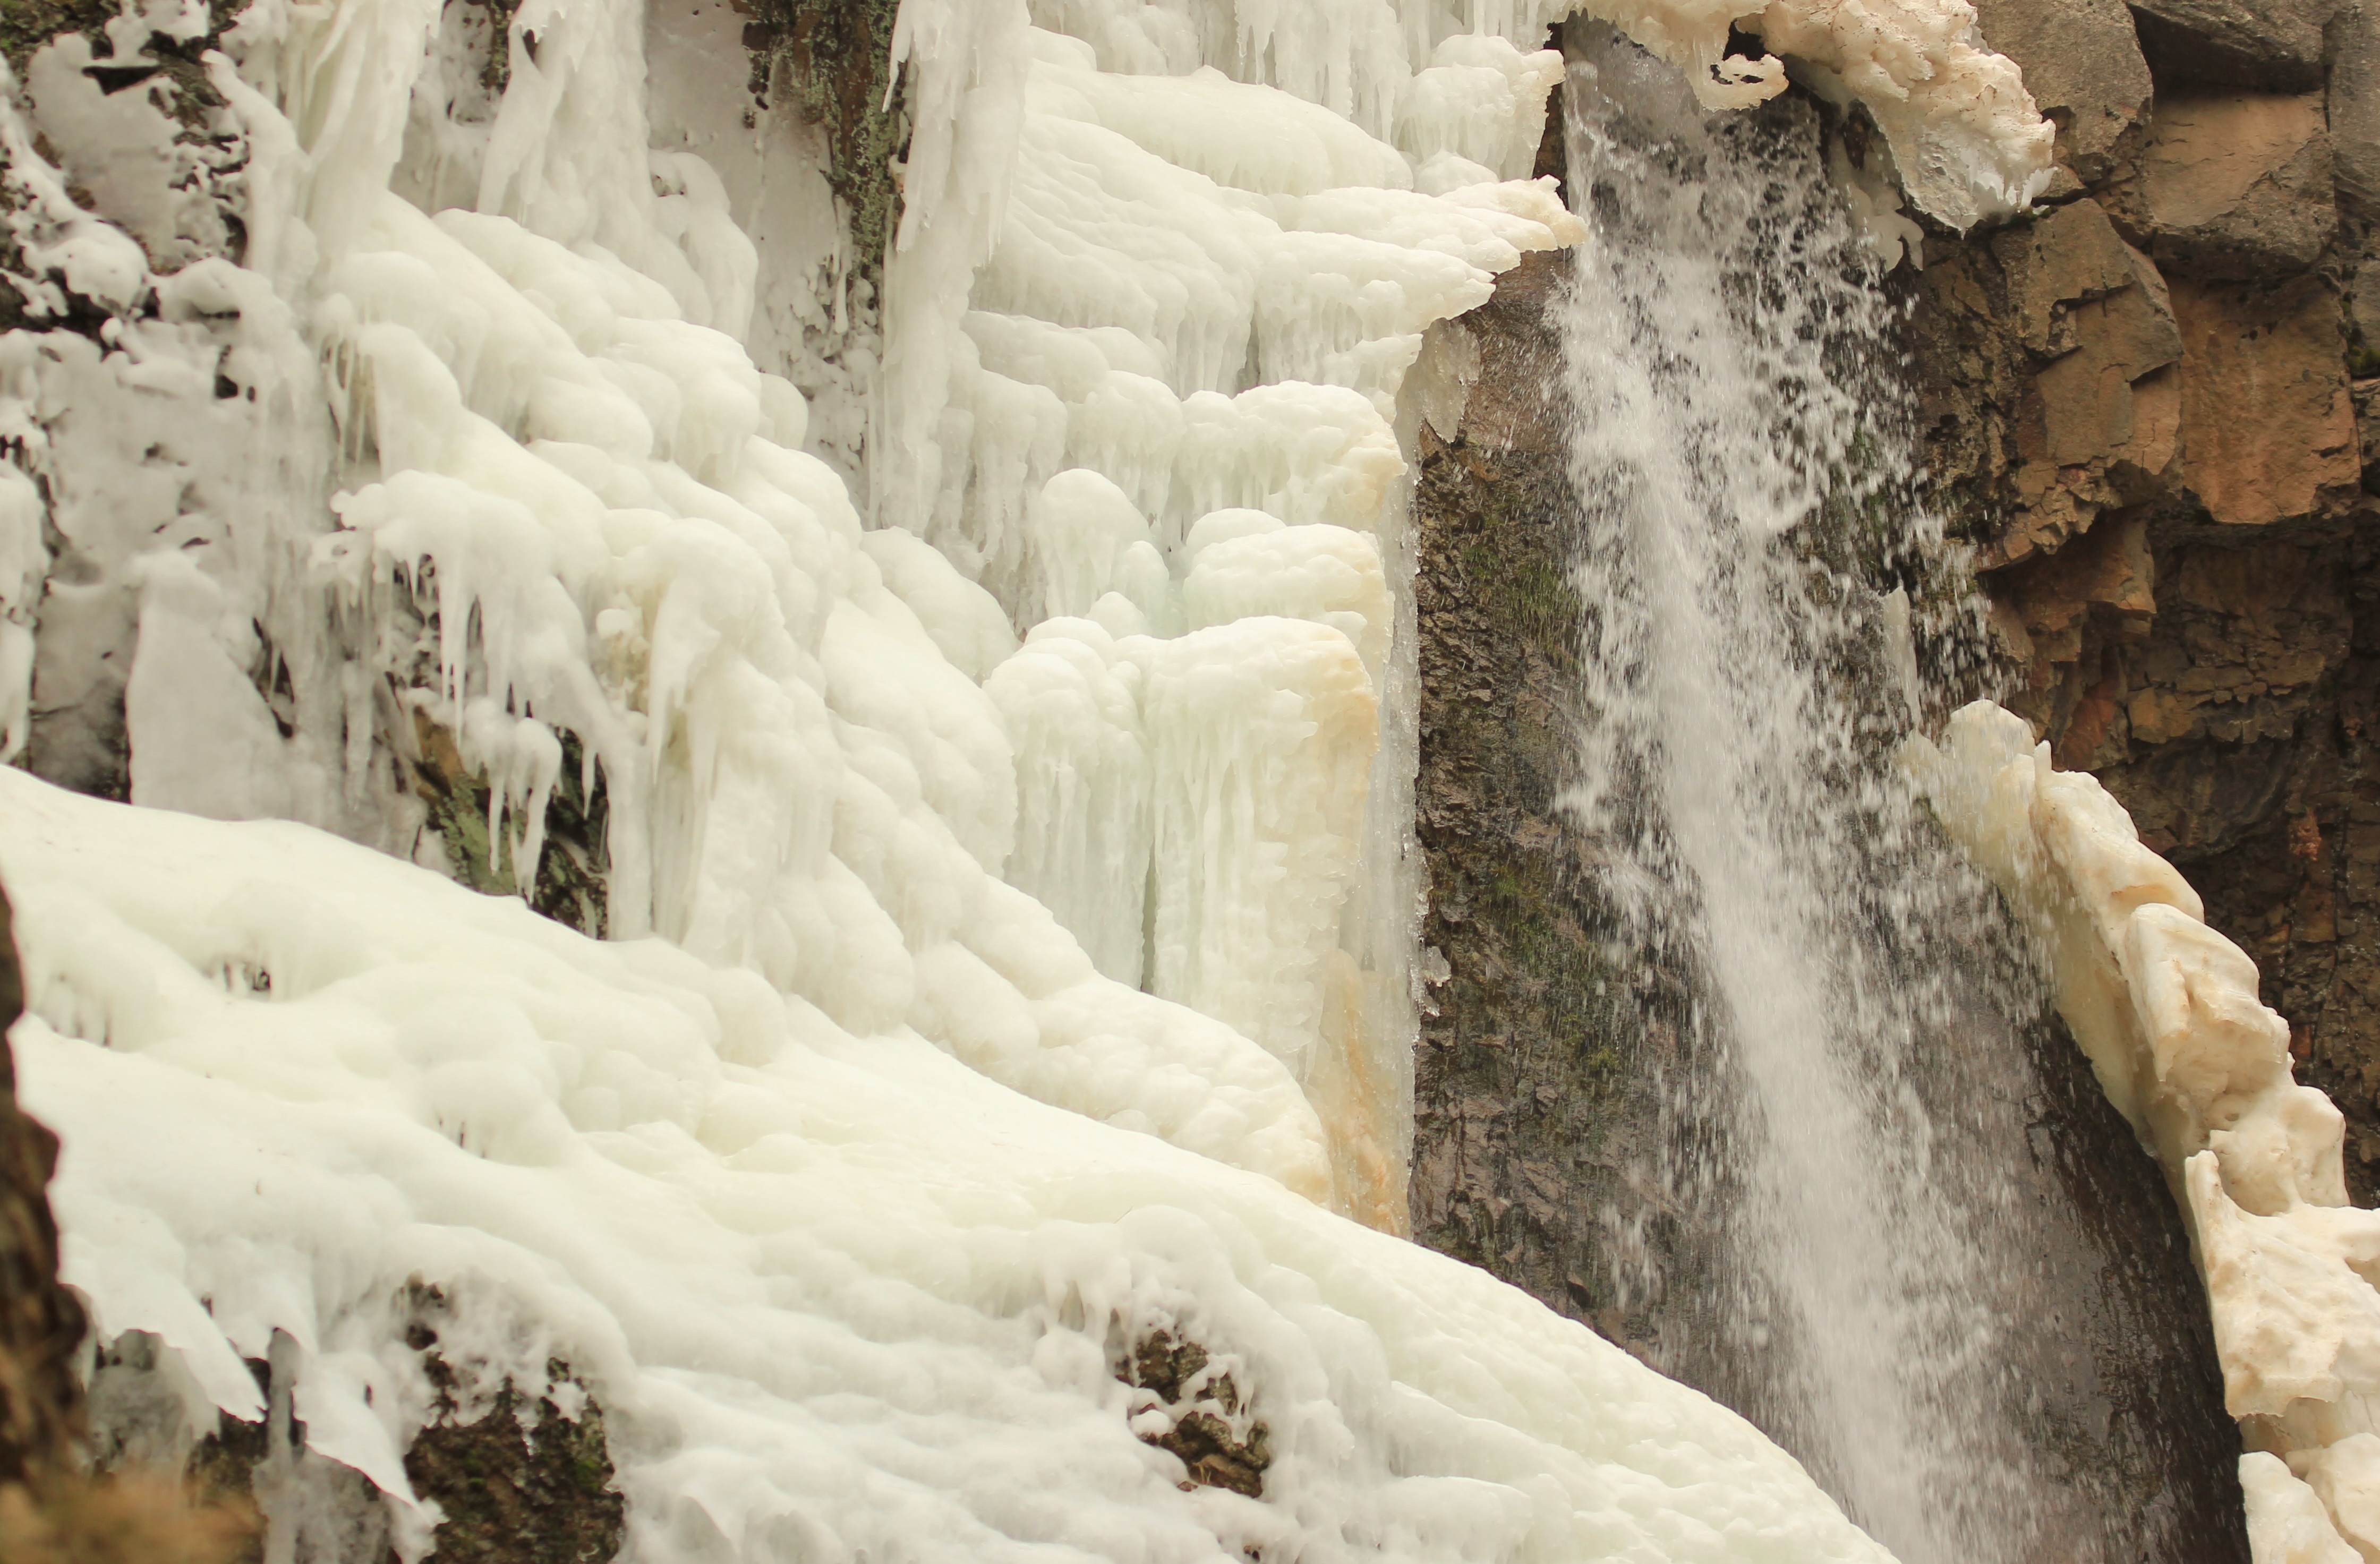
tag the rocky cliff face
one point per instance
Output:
(2151, 409)
(1537, 1082)
(1548, 1109)
(1550, 1051)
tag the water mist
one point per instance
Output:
(1737, 451)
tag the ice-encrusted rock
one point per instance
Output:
(2167, 1011)
(2083, 65)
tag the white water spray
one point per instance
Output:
(1723, 314)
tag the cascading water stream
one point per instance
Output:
(1734, 447)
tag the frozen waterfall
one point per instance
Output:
(954, 710)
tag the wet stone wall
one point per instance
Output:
(1557, 1143)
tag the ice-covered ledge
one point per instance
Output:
(2167, 1010)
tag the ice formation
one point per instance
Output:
(2167, 1012)
(835, 1294)
(1003, 751)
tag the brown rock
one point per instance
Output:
(2235, 186)
(2110, 569)
(2073, 254)
(2352, 100)
(2108, 398)
(2269, 429)
(2083, 67)
(2275, 45)
(2366, 395)
(2095, 427)
(2063, 605)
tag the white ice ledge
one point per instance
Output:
(2167, 1010)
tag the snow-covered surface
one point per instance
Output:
(2167, 1012)
(953, 666)
(1963, 132)
(833, 1294)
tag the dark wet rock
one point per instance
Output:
(2273, 46)
(1208, 1428)
(520, 1482)
(568, 882)
(1556, 1145)
(1538, 1077)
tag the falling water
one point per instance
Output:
(1737, 455)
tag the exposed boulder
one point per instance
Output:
(2352, 99)
(2233, 185)
(523, 1482)
(2054, 396)
(2268, 426)
(2084, 67)
(1190, 1407)
(2272, 45)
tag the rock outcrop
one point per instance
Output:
(1552, 1047)
(1536, 1084)
(2191, 619)
(2152, 410)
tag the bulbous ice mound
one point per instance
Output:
(2167, 1011)
(1968, 141)
(835, 1295)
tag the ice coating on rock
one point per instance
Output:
(2287, 1522)
(831, 1292)
(1157, 297)
(2167, 1010)
(1102, 680)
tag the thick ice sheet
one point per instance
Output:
(833, 1293)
